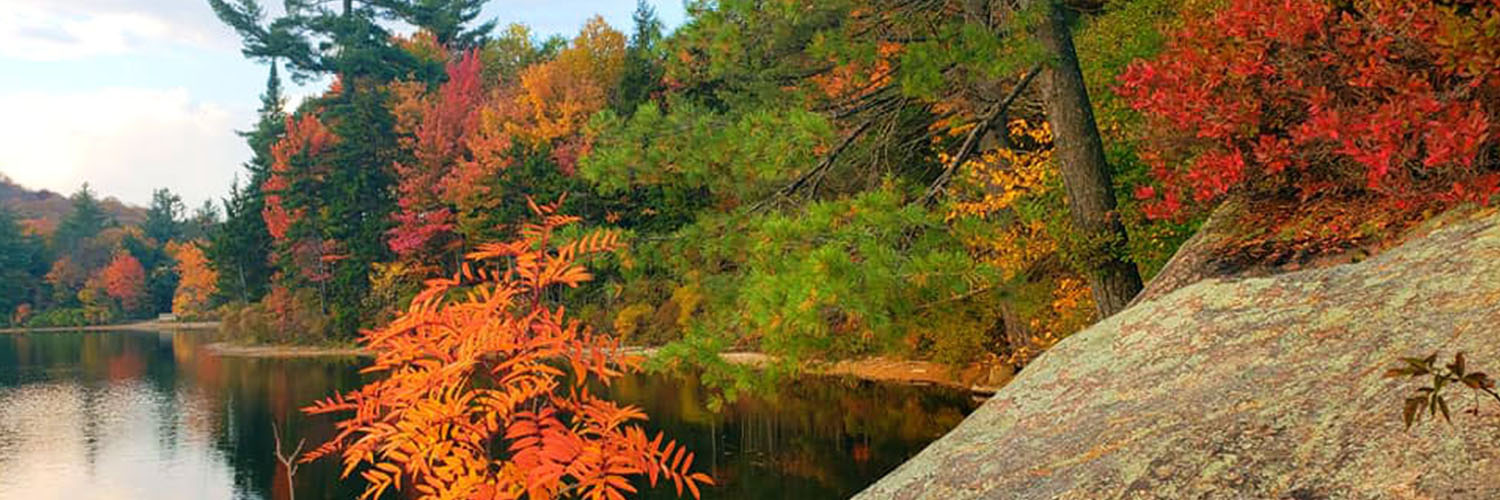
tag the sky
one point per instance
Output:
(134, 95)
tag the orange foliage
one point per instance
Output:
(21, 314)
(196, 283)
(124, 280)
(485, 393)
(857, 79)
(66, 274)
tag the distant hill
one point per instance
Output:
(41, 210)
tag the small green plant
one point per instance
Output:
(1430, 397)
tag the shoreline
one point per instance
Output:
(972, 378)
(284, 351)
(875, 369)
(136, 326)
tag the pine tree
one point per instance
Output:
(643, 65)
(1086, 175)
(164, 217)
(444, 19)
(22, 264)
(240, 248)
(85, 221)
(347, 208)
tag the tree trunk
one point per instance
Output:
(1086, 177)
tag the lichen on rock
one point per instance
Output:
(1252, 388)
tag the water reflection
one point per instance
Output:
(138, 415)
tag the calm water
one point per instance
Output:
(145, 415)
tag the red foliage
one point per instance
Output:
(293, 158)
(440, 146)
(486, 388)
(125, 280)
(1396, 97)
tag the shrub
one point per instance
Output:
(1396, 98)
(485, 394)
(67, 316)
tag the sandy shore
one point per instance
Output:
(284, 351)
(972, 378)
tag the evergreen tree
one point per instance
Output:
(85, 221)
(445, 19)
(240, 248)
(643, 64)
(164, 217)
(346, 209)
(202, 223)
(22, 264)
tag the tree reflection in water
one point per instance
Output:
(152, 415)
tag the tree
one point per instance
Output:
(125, 281)
(85, 221)
(644, 69)
(197, 283)
(558, 96)
(425, 222)
(22, 264)
(348, 205)
(474, 402)
(201, 223)
(161, 278)
(240, 248)
(444, 19)
(1086, 175)
(164, 216)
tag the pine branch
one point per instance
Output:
(972, 141)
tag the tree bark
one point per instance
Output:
(1079, 152)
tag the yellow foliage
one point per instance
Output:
(629, 319)
(558, 96)
(687, 298)
(992, 184)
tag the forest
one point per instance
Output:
(960, 181)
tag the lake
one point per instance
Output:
(153, 415)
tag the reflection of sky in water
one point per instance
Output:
(135, 415)
(75, 440)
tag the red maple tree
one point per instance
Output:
(425, 220)
(124, 280)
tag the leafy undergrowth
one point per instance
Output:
(1290, 234)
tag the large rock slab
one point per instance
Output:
(1255, 388)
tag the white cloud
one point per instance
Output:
(125, 142)
(49, 30)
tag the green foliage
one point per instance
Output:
(734, 157)
(22, 264)
(84, 222)
(855, 276)
(240, 248)
(644, 65)
(164, 216)
(59, 317)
